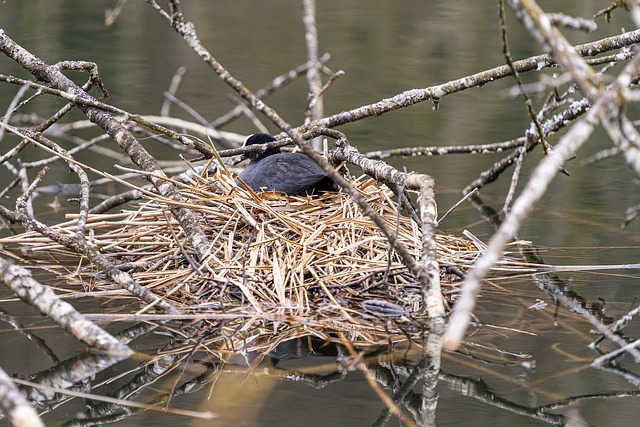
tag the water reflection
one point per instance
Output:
(528, 360)
(500, 371)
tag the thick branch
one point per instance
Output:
(48, 303)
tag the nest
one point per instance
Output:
(314, 258)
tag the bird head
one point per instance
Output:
(260, 138)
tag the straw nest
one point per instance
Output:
(314, 258)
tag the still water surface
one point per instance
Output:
(384, 48)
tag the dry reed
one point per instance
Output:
(318, 260)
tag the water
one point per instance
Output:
(384, 48)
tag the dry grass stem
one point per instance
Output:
(318, 261)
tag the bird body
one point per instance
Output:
(292, 173)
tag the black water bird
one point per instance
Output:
(292, 173)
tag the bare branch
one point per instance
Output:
(605, 110)
(45, 300)
(15, 406)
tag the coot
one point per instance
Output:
(292, 173)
